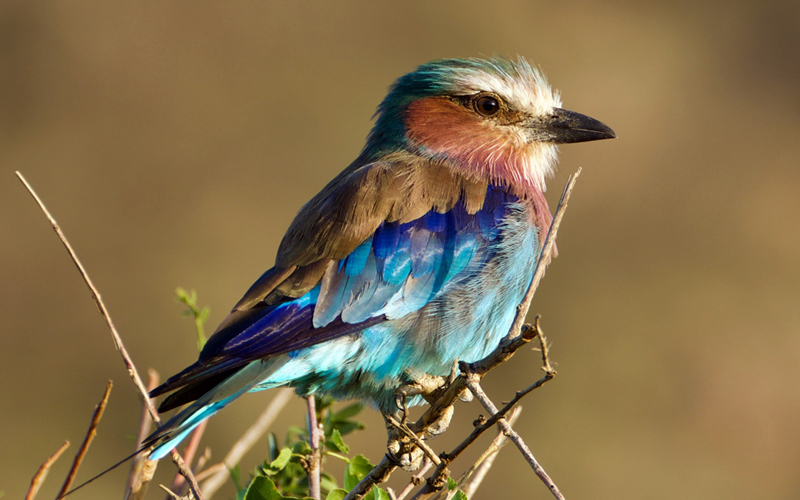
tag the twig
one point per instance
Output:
(471, 480)
(202, 460)
(41, 474)
(171, 494)
(379, 474)
(476, 389)
(429, 453)
(204, 474)
(247, 441)
(142, 470)
(87, 440)
(126, 358)
(188, 455)
(416, 479)
(312, 463)
(544, 256)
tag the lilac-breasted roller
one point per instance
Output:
(414, 256)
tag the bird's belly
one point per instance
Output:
(465, 322)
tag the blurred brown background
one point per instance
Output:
(174, 141)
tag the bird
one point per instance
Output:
(412, 258)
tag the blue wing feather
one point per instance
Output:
(397, 270)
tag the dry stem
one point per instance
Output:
(41, 474)
(312, 463)
(126, 358)
(142, 470)
(87, 440)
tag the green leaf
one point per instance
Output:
(236, 477)
(355, 471)
(272, 444)
(460, 495)
(347, 426)
(301, 448)
(377, 494)
(327, 482)
(451, 484)
(283, 459)
(348, 411)
(262, 488)
(336, 439)
(337, 494)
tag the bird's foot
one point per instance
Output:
(401, 447)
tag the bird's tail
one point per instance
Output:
(182, 423)
(171, 433)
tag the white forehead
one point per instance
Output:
(519, 83)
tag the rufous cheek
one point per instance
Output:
(443, 128)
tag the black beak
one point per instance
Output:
(563, 127)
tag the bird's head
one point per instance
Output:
(493, 119)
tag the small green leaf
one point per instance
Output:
(272, 444)
(460, 495)
(337, 494)
(283, 459)
(301, 448)
(327, 482)
(380, 494)
(451, 484)
(236, 477)
(262, 488)
(336, 439)
(347, 426)
(355, 471)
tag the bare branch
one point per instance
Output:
(171, 494)
(41, 474)
(87, 440)
(476, 389)
(97, 299)
(126, 358)
(416, 479)
(429, 453)
(188, 455)
(471, 480)
(247, 441)
(312, 463)
(544, 257)
(142, 470)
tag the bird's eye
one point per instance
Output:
(487, 105)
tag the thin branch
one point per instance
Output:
(544, 256)
(87, 440)
(247, 441)
(41, 474)
(186, 472)
(379, 474)
(476, 389)
(188, 455)
(471, 480)
(126, 358)
(142, 470)
(429, 453)
(204, 474)
(416, 479)
(312, 463)
(97, 298)
(170, 494)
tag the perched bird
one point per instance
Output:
(414, 256)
